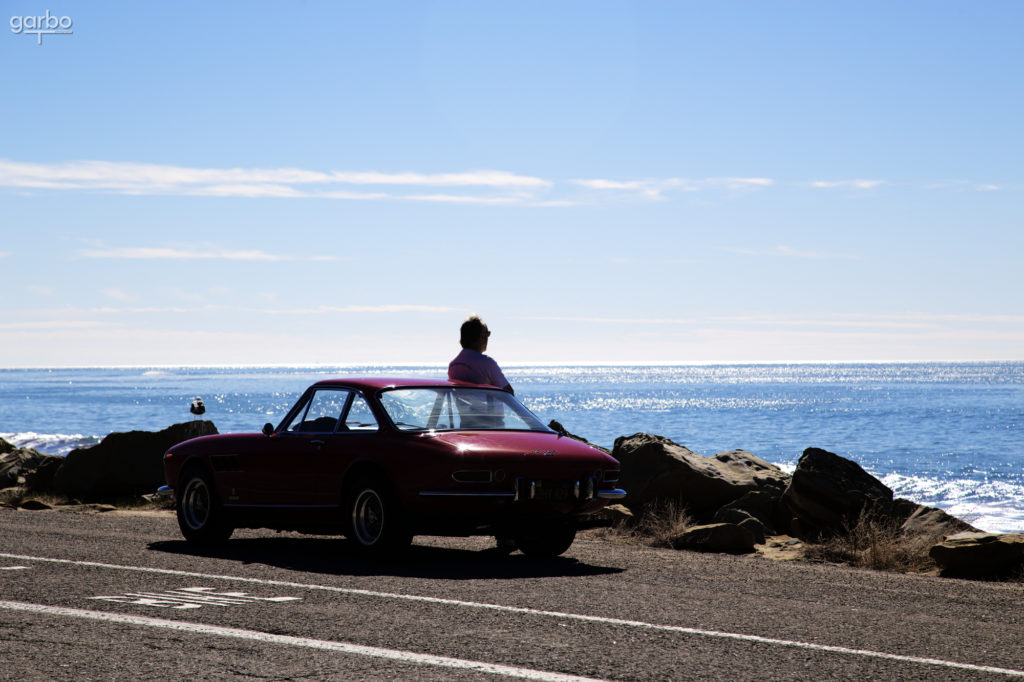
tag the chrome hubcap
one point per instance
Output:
(368, 517)
(195, 504)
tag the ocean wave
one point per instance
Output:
(993, 506)
(50, 443)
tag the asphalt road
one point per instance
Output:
(119, 596)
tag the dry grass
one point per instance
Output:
(875, 543)
(15, 497)
(655, 526)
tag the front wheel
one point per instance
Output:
(201, 517)
(546, 542)
(375, 521)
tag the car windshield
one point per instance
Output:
(449, 409)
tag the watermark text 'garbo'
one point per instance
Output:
(46, 24)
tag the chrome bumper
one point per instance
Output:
(164, 492)
(616, 494)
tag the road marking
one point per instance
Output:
(536, 612)
(305, 642)
(191, 598)
(13, 568)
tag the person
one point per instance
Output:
(471, 365)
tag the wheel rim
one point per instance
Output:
(195, 504)
(368, 517)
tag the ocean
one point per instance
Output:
(949, 435)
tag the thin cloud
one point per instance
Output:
(143, 179)
(170, 253)
(120, 295)
(52, 324)
(788, 252)
(655, 188)
(853, 184)
(387, 308)
(614, 320)
(68, 312)
(911, 320)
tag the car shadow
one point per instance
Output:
(333, 556)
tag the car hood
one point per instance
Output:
(515, 443)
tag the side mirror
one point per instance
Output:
(268, 429)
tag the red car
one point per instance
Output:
(382, 460)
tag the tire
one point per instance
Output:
(375, 523)
(201, 517)
(546, 542)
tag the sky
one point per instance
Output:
(340, 183)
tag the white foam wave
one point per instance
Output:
(993, 506)
(50, 443)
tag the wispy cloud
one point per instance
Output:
(656, 188)
(789, 252)
(614, 320)
(850, 184)
(384, 308)
(120, 295)
(144, 178)
(205, 253)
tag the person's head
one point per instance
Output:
(473, 334)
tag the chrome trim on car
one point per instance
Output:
(164, 492)
(468, 493)
(616, 494)
(239, 506)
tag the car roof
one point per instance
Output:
(376, 383)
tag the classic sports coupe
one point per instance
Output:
(381, 460)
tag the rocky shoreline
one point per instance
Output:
(734, 500)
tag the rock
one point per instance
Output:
(123, 464)
(744, 519)
(41, 479)
(917, 520)
(828, 493)
(562, 431)
(656, 468)
(716, 537)
(16, 464)
(32, 504)
(764, 476)
(980, 555)
(759, 505)
(616, 513)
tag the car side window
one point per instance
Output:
(360, 417)
(321, 413)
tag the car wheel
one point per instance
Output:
(375, 521)
(200, 515)
(546, 542)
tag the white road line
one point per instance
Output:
(536, 612)
(305, 642)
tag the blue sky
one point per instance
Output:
(341, 183)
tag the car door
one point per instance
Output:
(355, 435)
(285, 473)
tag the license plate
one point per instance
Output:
(547, 491)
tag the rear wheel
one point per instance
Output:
(546, 542)
(375, 521)
(201, 516)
